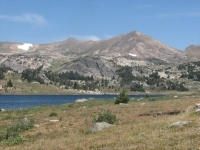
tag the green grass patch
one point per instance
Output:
(53, 114)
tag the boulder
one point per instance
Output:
(80, 100)
(2, 110)
(100, 125)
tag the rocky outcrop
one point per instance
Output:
(22, 62)
(90, 66)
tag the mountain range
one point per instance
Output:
(97, 58)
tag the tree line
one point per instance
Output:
(154, 81)
(32, 75)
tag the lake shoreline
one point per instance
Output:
(26, 101)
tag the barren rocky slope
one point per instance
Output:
(193, 50)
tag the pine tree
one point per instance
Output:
(122, 98)
(9, 83)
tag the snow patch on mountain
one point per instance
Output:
(25, 46)
(134, 55)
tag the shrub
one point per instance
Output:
(105, 116)
(52, 114)
(15, 139)
(21, 125)
(122, 98)
(12, 134)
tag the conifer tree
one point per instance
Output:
(9, 83)
(122, 98)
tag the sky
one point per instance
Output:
(173, 22)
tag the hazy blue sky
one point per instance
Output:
(174, 22)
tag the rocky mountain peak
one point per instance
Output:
(193, 50)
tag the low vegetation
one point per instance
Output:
(106, 116)
(136, 125)
(12, 134)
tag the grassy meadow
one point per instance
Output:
(135, 128)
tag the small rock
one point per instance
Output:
(53, 120)
(100, 125)
(36, 125)
(198, 110)
(175, 96)
(123, 104)
(179, 123)
(157, 114)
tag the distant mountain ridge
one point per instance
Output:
(98, 58)
(133, 43)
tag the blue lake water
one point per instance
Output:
(26, 101)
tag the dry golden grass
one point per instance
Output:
(136, 129)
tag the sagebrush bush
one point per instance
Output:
(105, 116)
(12, 134)
(122, 98)
(53, 114)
